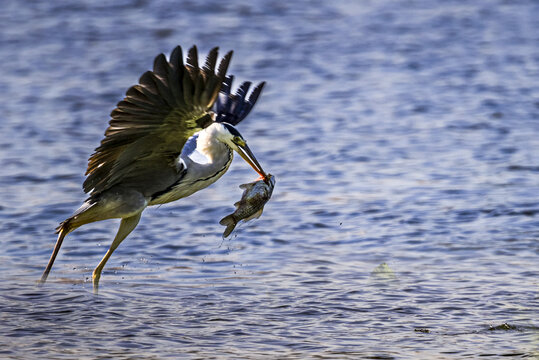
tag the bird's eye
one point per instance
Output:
(237, 140)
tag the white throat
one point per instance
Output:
(208, 144)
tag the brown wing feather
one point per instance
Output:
(151, 124)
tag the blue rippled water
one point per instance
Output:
(405, 221)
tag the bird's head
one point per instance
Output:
(230, 136)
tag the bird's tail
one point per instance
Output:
(230, 224)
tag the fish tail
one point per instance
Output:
(230, 224)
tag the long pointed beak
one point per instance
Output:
(248, 156)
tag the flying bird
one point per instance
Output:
(172, 135)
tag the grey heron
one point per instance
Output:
(172, 135)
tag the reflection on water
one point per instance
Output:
(404, 140)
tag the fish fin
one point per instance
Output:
(244, 186)
(256, 215)
(230, 224)
(248, 185)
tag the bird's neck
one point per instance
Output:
(209, 146)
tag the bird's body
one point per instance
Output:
(171, 136)
(198, 167)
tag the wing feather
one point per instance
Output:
(161, 67)
(233, 108)
(211, 61)
(149, 127)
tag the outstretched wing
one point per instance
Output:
(150, 126)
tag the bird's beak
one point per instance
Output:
(248, 156)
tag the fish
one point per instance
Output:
(255, 195)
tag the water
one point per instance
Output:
(400, 133)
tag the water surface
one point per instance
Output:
(404, 224)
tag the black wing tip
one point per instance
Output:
(160, 65)
(192, 57)
(260, 86)
(256, 92)
(223, 65)
(176, 57)
(159, 57)
(233, 108)
(243, 89)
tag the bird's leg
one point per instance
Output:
(87, 213)
(116, 202)
(61, 235)
(126, 226)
